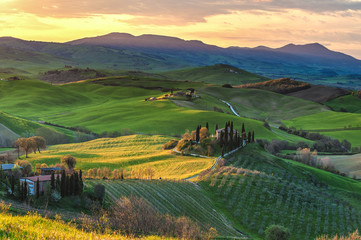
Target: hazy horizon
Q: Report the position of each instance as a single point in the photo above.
(249, 23)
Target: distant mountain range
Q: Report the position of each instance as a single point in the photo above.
(311, 62)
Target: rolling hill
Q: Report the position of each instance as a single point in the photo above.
(129, 153)
(112, 108)
(152, 53)
(216, 74)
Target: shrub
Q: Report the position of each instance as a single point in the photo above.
(351, 236)
(277, 232)
(227, 85)
(170, 145)
(99, 192)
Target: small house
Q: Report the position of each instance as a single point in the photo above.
(50, 170)
(31, 183)
(222, 130)
(7, 168)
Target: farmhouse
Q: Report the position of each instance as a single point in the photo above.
(49, 171)
(31, 183)
(7, 168)
(222, 130)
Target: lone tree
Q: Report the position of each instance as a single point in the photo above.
(99, 192)
(40, 143)
(277, 232)
(69, 161)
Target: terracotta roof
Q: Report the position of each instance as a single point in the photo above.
(42, 178)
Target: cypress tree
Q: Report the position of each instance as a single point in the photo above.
(81, 181)
(58, 183)
(226, 136)
(222, 151)
(25, 191)
(52, 181)
(216, 129)
(249, 136)
(12, 184)
(72, 185)
(37, 188)
(252, 136)
(220, 139)
(62, 184)
(197, 134)
(207, 126)
(19, 190)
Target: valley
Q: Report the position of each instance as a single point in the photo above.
(129, 121)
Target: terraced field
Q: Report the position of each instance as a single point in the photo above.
(128, 152)
(256, 192)
(178, 198)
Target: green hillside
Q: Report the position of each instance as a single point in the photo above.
(178, 198)
(110, 108)
(12, 127)
(348, 103)
(334, 124)
(216, 74)
(265, 105)
(258, 189)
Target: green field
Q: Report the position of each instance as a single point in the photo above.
(110, 108)
(349, 103)
(129, 153)
(258, 189)
(334, 124)
(216, 74)
(178, 198)
(349, 164)
(265, 105)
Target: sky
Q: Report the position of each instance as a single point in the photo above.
(244, 23)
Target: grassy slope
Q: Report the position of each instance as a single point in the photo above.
(108, 108)
(217, 74)
(349, 103)
(23, 128)
(331, 124)
(128, 152)
(350, 164)
(176, 198)
(261, 104)
(286, 193)
(35, 227)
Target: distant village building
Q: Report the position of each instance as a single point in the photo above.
(7, 168)
(31, 183)
(49, 171)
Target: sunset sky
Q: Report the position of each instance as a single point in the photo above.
(246, 23)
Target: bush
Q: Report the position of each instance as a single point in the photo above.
(183, 144)
(227, 85)
(99, 192)
(170, 145)
(277, 232)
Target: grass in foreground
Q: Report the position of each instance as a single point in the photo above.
(33, 227)
(128, 152)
